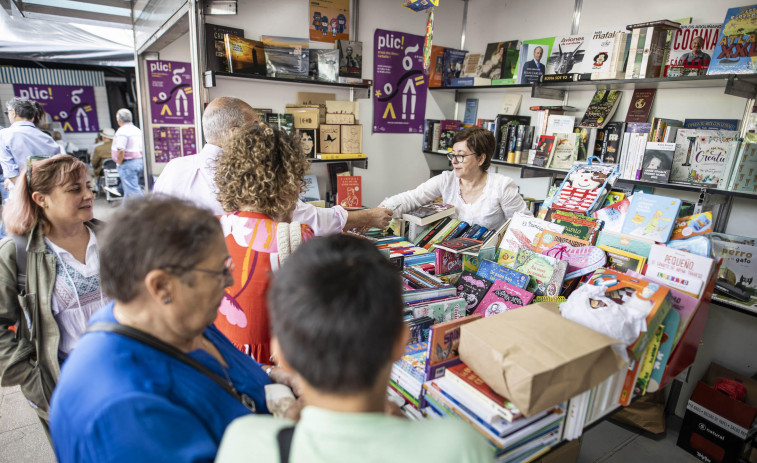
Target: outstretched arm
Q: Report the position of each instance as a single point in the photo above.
(378, 217)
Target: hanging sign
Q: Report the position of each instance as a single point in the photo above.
(73, 106)
(399, 92)
(170, 86)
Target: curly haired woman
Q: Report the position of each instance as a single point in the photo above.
(260, 175)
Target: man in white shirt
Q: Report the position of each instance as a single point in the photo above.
(127, 152)
(191, 177)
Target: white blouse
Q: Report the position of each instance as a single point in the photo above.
(497, 203)
(76, 294)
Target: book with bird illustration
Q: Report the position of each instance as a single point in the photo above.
(651, 216)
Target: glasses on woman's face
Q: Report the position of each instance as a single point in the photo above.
(458, 156)
(226, 272)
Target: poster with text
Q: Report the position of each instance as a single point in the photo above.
(73, 106)
(166, 143)
(170, 85)
(399, 90)
(329, 20)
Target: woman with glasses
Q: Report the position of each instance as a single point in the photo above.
(480, 197)
(49, 274)
(152, 379)
(260, 175)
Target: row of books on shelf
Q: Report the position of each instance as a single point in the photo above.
(707, 152)
(636, 268)
(227, 50)
(647, 50)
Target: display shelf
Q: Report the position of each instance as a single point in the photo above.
(338, 160)
(739, 85)
(716, 299)
(211, 76)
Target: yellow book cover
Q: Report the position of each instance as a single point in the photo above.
(244, 56)
(622, 261)
(647, 362)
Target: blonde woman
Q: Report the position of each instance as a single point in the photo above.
(259, 175)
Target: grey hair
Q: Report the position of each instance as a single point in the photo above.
(23, 107)
(222, 115)
(124, 115)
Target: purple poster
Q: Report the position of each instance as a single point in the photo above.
(72, 106)
(170, 84)
(399, 92)
(166, 143)
(188, 141)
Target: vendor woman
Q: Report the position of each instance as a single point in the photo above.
(480, 197)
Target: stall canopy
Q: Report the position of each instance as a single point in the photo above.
(42, 40)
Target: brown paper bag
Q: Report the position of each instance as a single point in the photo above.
(535, 357)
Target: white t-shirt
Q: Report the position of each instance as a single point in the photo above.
(497, 203)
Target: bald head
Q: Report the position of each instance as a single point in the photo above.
(223, 115)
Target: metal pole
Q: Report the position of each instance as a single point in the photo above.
(576, 17)
(465, 24)
(197, 59)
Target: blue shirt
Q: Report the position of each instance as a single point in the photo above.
(21, 140)
(120, 400)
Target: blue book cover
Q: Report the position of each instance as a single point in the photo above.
(471, 109)
(651, 216)
(711, 124)
(734, 51)
(453, 65)
(462, 82)
(492, 272)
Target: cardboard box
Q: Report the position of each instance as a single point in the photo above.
(352, 138)
(535, 357)
(340, 118)
(329, 139)
(343, 107)
(717, 428)
(304, 118)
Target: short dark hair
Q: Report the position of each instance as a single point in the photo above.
(480, 141)
(336, 310)
(23, 107)
(153, 232)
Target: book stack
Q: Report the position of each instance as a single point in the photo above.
(648, 47)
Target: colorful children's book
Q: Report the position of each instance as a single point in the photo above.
(479, 389)
(648, 361)
(446, 262)
(667, 342)
(547, 273)
(565, 151)
(493, 272)
(651, 217)
(614, 215)
(459, 244)
(700, 155)
(577, 225)
(584, 188)
(684, 306)
(736, 276)
(581, 260)
(444, 338)
(521, 233)
(472, 288)
(679, 269)
(548, 239)
(692, 225)
(442, 311)
(613, 197)
(502, 297)
(623, 261)
(732, 53)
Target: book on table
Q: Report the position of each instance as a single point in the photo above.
(429, 213)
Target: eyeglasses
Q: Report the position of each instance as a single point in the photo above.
(456, 157)
(228, 267)
(29, 161)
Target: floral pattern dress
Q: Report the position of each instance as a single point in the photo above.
(243, 313)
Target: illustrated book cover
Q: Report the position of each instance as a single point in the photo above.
(547, 273)
(691, 49)
(700, 155)
(522, 233)
(641, 105)
(567, 55)
(734, 49)
(444, 338)
(244, 56)
(493, 272)
(679, 269)
(472, 288)
(215, 47)
(601, 108)
(651, 216)
(349, 191)
(658, 162)
(501, 297)
(286, 56)
(350, 58)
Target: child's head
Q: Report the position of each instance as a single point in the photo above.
(336, 314)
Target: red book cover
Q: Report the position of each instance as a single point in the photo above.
(349, 191)
(641, 105)
(466, 374)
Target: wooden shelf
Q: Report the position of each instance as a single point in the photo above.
(210, 80)
(338, 160)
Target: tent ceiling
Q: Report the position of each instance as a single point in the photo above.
(113, 13)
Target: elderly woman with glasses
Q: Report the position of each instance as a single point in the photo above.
(49, 274)
(153, 379)
(480, 197)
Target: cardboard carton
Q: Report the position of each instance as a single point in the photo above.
(329, 139)
(352, 138)
(304, 118)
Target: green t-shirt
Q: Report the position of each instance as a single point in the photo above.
(333, 437)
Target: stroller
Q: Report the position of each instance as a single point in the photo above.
(111, 182)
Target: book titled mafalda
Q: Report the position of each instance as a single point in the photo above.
(691, 49)
(244, 56)
(350, 58)
(286, 56)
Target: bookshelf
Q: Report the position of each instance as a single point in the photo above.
(210, 77)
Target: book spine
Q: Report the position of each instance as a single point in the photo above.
(725, 176)
(424, 241)
(631, 59)
(436, 135)
(478, 395)
(647, 363)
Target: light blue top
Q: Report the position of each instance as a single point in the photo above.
(118, 400)
(21, 140)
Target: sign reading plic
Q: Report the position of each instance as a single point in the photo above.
(170, 84)
(72, 106)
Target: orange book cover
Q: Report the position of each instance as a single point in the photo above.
(349, 192)
(436, 67)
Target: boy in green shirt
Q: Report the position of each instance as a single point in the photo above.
(336, 314)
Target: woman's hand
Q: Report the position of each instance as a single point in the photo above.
(279, 375)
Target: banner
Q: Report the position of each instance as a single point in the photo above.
(170, 86)
(400, 86)
(72, 106)
(329, 20)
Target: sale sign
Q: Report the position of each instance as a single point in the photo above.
(399, 91)
(73, 106)
(170, 86)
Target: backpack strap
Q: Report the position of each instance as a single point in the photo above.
(21, 257)
(284, 437)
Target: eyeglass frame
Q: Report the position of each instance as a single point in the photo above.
(456, 157)
(227, 272)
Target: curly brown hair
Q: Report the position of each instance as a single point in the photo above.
(262, 168)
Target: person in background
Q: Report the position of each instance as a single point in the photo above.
(65, 147)
(191, 177)
(102, 152)
(336, 313)
(169, 393)
(127, 152)
(22, 139)
(260, 175)
(480, 197)
(51, 214)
